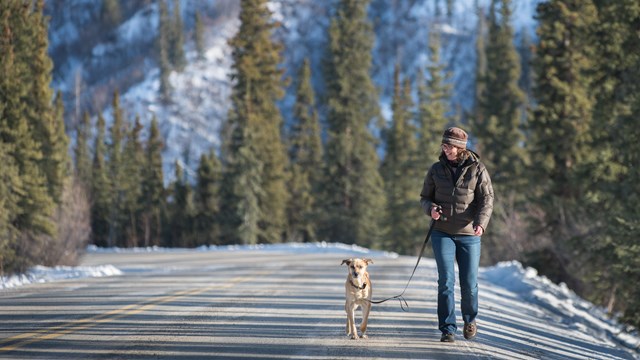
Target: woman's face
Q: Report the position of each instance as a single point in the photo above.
(450, 151)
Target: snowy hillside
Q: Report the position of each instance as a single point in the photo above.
(91, 63)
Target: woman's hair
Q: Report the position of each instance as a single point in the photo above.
(463, 154)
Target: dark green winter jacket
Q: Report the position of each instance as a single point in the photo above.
(466, 202)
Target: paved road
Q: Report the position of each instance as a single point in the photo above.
(252, 305)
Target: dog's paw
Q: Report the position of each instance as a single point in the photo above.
(354, 337)
(364, 336)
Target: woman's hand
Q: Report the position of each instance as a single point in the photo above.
(478, 230)
(435, 214)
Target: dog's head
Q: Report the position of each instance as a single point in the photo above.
(357, 267)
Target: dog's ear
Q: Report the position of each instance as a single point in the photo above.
(368, 261)
(346, 261)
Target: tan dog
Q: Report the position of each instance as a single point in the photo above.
(358, 293)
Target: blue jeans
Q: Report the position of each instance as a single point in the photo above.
(465, 250)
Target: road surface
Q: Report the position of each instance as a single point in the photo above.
(249, 304)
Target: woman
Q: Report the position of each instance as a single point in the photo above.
(457, 192)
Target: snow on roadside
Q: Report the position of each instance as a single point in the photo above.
(43, 274)
(559, 299)
(316, 247)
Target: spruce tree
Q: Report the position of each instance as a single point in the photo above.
(480, 76)
(164, 65)
(101, 193)
(111, 14)
(82, 151)
(10, 186)
(502, 104)
(117, 175)
(561, 128)
(433, 104)
(305, 159)
(46, 121)
(182, 211)
(199, 36)
(499, 127)
(207, 199)
(404, 218)
(353, 188)
(20, 41)
(255, 195)
(58, 163)
(131, 184)
(176, 39)
(561, 122)
(612, 253)
(153, 192)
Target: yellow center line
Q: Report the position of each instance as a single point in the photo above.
(132, 309)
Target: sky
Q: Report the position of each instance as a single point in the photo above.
(510, 277)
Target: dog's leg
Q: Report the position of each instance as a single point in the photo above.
(351, 321)
(366, 308)
(346, 310)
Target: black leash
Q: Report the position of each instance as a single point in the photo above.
(400, 296)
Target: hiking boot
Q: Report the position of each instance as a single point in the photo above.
(447, 337)
(470, 330)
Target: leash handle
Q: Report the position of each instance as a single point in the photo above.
(400, 296)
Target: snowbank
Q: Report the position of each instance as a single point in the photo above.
(559, 299)
(43, 274)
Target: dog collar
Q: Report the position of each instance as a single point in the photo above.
(358, 287)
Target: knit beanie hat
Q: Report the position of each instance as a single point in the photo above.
(456, 137)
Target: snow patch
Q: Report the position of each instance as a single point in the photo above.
(43, 274)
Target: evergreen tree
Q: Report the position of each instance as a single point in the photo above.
(10, 186)
(101, 195)
(480, 74)
(501, 104)
(353, 188)
(117, 174)
(20, 41)
(561, 129)
(58, 163)
(207, 199)
(46, 121)
(305, 159)
(526, 76)
(131, 185)
(83, 152)
(182, 211)
(164, 34)
(176, 39)
(255, 195)
(433, 97)
(499, 126)
(111, 14)
(153, 192)
(612, 253)
(561, 121)
(401, 176)
(199, 36)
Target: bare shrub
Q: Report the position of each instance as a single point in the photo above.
(74, 227)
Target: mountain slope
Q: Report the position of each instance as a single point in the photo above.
(93, 59)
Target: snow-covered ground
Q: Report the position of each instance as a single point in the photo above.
(521, 283)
